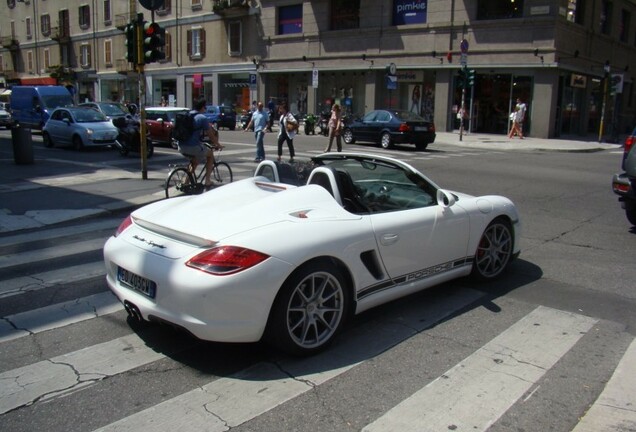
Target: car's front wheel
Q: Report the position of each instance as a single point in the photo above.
(347, 136)
(494, 250)
(48, 142)
(385, 140)
(309, 310)
(77, 143)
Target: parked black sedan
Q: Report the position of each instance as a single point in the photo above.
(389, 127)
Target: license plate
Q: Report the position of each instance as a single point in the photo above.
(136, 282)
(421, 129)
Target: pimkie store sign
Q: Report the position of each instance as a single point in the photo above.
(409, 12)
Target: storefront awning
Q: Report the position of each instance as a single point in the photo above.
(38, 81)
(236, 85)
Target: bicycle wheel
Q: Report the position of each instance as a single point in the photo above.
(178, 182)
(222, 173)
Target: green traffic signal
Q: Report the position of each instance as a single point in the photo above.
(470, 77)
(462, 78)
(131, 43)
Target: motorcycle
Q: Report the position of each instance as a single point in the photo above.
(244, 119)
(323, 124)
(129, 138)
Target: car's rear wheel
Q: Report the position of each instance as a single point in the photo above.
(421, 146)
(494, 250)
(630, 211)
(385, 141)
(48, 142)
(347, 135)
(309, 310)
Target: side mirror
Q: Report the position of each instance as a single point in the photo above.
(67, 121)
(445, 198)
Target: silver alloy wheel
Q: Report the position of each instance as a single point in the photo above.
(494, 250)
(315, 310)
(386, 140)
(348, 136)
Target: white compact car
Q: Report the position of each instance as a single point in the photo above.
(289, 254)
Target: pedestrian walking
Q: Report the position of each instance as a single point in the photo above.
(260, 120)
(335, 127)
(517, 117)
(271, 106)
(288, 128)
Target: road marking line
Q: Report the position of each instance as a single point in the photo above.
(615, 408)
(228, 402)
(69, 372)
(479, 390)
(11, 260)
(53, 233)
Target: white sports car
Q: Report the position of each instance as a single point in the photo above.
(275, 257)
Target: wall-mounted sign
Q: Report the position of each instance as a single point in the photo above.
(578, 81)
(409, 11)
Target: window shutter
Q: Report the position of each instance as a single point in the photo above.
(168, 47)
(202, 42)
(189, 44)
(88, 56)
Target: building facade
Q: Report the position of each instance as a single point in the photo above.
(571, 61)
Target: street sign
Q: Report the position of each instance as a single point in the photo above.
(463, 46)
(252, 81)
(391, 82)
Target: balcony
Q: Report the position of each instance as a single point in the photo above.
(122, 20)
(61, 34)
(10, 43)
(231, 8)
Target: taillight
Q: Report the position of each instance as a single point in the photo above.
(225, 260)
(432, 128)
(629, 142)
(620, 188)
(123, 225)
(404, 128)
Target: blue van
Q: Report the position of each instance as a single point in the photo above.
(31, 106)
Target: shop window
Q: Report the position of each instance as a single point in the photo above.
(107, 13)
(108, 52)
(606, 17)
(575, 11)
(84, 17)
(345, 14)
(45, 24)
(234, 38)
(290, 19)
(624, 27)
(499, 9)
(196, 43)
(85, 56)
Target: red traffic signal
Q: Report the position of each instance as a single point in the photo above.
(153, 43)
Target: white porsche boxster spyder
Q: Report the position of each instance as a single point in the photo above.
(288, 255)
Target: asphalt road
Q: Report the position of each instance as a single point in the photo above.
(576, 263)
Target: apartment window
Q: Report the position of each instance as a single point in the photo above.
(30, 61)
(84, 17)
(108, 52)
(290, 19)
(45, 24)
(12, 29)
(196, 43)
(165, 9)
(624, 27)
(575, 11)
(85, 55)
(29, 34)
(234, 38)
(606, 17)
(11, 4)
(499, 9)
(196, 4)
(345, 14)
(107, 13)
(47, 59)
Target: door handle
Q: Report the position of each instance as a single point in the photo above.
(389, 239)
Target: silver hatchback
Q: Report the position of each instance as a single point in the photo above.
(79, 127)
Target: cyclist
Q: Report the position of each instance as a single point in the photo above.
(194, 149)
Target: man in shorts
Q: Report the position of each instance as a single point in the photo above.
(194, 149)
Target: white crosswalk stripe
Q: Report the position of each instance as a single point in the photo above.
(475, 391)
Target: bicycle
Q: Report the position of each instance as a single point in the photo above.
(181, 181)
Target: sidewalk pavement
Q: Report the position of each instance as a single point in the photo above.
(52, 191)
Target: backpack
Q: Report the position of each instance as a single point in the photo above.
(183, 126)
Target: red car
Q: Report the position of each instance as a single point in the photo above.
(160, 122)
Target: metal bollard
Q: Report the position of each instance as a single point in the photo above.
(22, 146)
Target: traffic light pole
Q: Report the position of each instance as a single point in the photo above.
(141, 85)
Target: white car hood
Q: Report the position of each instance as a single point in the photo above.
(249, 204)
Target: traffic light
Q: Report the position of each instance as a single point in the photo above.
(470, 77)
(131, 42)
(154, 41)
(461, 82)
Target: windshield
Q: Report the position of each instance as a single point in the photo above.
(56, 101)
(113, 110)
(88, 116)
(407, 116)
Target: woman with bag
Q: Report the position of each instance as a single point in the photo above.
(335, 127)
(287, 132)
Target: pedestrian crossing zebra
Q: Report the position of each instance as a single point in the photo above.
(480, 384)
